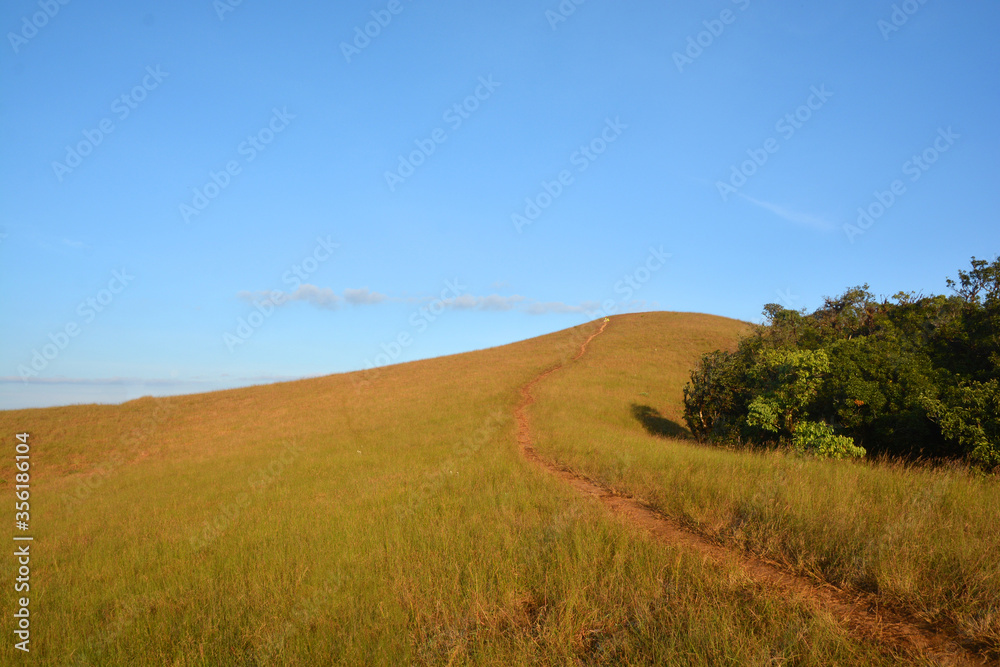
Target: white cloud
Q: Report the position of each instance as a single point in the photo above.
(491, 302)
(363, 296)
(544, 308)
(10, 379)
(321, 297)
(497, 302)
(790, 215)
(324, 297)
(148, 382)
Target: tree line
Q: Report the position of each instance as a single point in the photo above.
(911, 376)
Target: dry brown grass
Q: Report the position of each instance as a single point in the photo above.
(923, 540)
(391, 521)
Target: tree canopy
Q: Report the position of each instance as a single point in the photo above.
(910, 375)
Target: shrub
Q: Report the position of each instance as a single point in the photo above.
(818, 438)
(911, 376)
(970, 416)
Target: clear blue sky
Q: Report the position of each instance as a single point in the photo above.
(204, 151)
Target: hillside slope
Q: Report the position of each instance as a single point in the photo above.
(370, 520)
(920, 541)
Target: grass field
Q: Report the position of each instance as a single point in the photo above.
(921, 539)
(392, 520)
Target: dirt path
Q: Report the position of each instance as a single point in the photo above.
(861, 614)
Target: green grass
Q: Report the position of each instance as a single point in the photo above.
(921, 539)
(327, 521)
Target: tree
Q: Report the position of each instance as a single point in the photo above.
(912, 376)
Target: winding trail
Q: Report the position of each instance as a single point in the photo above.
(862, 614)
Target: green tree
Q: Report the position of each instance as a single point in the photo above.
(912, 376)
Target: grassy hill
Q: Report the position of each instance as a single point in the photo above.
(921, 540)
(389, 518)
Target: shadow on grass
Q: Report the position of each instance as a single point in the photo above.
(656, 424)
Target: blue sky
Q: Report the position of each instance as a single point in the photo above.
(464, 175)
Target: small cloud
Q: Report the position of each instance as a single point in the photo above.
(321, 297)
(790, 215)
(491, 302)
(173, 380)
(547, 307)
(59, 380)
(464, 302)
(497, 302)
(363, 296)
(324, 297)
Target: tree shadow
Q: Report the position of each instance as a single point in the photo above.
(657, 424)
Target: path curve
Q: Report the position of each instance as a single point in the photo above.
(861, 614)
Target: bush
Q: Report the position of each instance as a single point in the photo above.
(818, 438)
(911, 376)
(970, 416)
